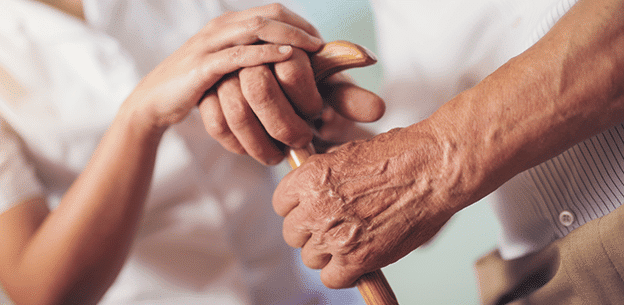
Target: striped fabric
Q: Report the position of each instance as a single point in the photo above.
(587, 180)
(550, 200)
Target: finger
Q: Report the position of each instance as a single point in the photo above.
(272, 108)
(237, 57)
(296, 78)
(312, 257)
(220, 63)
(216, 125)
(244, 125)
(285, 196)
(352, 102)
(335, 275)
(293, 230)
(256, 29)
(278, 12)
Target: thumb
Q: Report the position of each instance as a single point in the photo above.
(351, 101)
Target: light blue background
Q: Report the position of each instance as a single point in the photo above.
(442, 272)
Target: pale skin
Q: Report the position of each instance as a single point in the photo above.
(73, 253)
(368, 203)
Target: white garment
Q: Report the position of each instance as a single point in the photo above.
(208, 234)
(433, 50)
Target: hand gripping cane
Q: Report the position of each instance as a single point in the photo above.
(332, 58)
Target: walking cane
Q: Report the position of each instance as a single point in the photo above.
(332, 58)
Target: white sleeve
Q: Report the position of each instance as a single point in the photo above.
(18, 181)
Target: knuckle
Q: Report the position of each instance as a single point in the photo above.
(256, 23)
(292, 74)
(292, 34)
(232, 145)
(296, 71)
(217, 129)
(236, 53)
(239, 117)
(257, 86)
(277, 10)
(286, 135)
(359, 259)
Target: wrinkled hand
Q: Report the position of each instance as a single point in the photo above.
(368, 203)
(258, 110)
(226, 44)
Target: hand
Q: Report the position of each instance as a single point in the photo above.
(369, 203)
(224, 45)
(257, 111)
(345, 104)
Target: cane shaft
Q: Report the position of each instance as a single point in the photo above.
(335, 57)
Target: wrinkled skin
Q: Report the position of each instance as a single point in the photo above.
(258, 110)
(368, 203)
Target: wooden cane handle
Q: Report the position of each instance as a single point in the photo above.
(337, 56)
(332, 58)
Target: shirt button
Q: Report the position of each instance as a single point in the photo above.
(566, 218)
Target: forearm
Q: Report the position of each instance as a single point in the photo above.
(366, 204)
(79, 249)
(567, 87)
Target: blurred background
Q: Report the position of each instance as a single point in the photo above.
(442, 271)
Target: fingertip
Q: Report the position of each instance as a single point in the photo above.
(356, 103)
(303, 140)
(268, 160)
(377, 108)
(275, 160)
(285, 49)
(234, 146)
(334, 276)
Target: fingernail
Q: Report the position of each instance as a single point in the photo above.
(284, 49)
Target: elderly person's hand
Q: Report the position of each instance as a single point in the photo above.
(258, 110)
(368, 203)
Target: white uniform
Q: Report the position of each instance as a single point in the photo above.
(208, 234)
(432, 50)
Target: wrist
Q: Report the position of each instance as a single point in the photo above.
(443, 163)
(488, 129)
(140, 123)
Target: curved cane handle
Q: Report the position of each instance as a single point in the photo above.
(332, 58)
